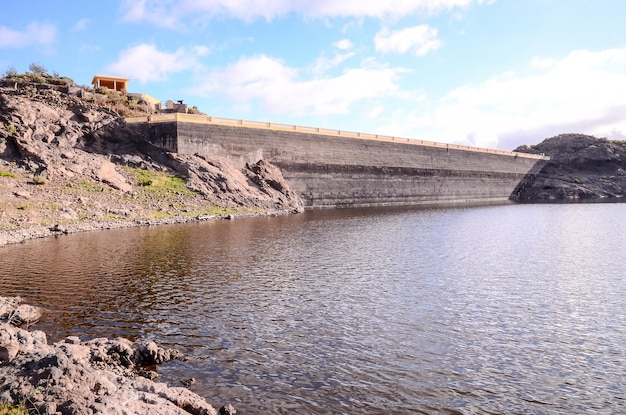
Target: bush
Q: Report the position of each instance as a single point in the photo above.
(12, 409)
(37, 69)
(10, 128)
(40, 180)
(11, 72)
(4, 173)
(63, 81)
(101, 90)
(37, 78)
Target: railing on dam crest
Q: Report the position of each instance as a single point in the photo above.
(210, 120)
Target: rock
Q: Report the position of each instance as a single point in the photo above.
(107, 174)
(23, 195)
(58, 229)
(8, 351)
(227, 410)
(580, 167)
(98, 376)
(188, 382)
(14, 312)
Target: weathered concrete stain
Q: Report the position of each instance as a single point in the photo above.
(333, 171)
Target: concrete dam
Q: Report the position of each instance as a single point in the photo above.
(332, 168)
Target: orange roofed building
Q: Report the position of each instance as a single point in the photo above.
(111, 82)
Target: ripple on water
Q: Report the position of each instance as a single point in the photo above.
(510, 309)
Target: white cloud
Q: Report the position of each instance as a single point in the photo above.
(542, 62)
(80, 25)
(418, 40)
(34, 34)
(171, 14)
(279, 90)
(146, 63)
(343, 44)
(323, 64)
(582, 93)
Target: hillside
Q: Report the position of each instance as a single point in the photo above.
(581, 167)
(69, 162)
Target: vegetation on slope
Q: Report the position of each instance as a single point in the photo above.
(68, 156)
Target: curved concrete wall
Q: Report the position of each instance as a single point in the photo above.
(330, 171)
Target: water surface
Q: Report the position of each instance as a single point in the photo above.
(515, 309)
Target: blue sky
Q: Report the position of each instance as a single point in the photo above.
(487, 73)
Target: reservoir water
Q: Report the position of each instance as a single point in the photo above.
(516, 309)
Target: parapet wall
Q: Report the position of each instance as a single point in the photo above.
(330, 170)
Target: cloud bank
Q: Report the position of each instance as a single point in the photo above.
(172, 14)
(34, 34)
(581, 92)
(145, 63)
(280, 89)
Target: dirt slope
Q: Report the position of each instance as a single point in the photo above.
(68, 163)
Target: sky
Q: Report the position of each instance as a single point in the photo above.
(485, 73)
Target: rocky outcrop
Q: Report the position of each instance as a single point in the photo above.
(66, 160)
(580, 167)
(100, 376)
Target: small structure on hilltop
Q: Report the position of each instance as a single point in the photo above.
(111, 82)
(171, 106)
(152, 105)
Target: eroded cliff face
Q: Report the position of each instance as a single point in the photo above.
(580, 167)
(64, 159)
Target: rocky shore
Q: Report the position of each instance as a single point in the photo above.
(19, 235)
(100, 376)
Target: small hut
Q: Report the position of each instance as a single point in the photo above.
(111, 82)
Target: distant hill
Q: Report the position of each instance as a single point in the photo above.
(580, 167)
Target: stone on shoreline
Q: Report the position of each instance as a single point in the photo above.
(14, 312)
(100, 376)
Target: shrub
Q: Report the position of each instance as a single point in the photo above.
(40, 180)
(63, 81)
(37, 78)
(10, 128)
(101, 90)
(13, 409)
(4, 173)
(37, 69)
(144, 182)
(11, 72)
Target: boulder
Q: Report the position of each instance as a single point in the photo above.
(14, 312)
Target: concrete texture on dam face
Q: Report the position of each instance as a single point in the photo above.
(332, 171)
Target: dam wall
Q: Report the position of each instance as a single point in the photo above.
(330, 168)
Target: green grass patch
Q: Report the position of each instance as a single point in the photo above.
(13, 409)
(4, 173)
(160, 182)
(91, 187)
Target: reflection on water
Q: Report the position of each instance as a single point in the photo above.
(510, 309)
